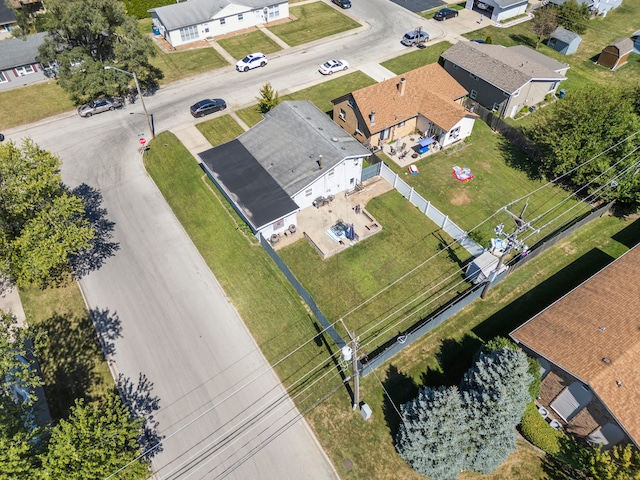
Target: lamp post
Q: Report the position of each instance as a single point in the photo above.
(135, 79)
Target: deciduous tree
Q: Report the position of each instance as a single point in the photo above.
(86, 35)
(619, 463)
(573, 16)
(41, 223)
(95, 441)
(544, 23)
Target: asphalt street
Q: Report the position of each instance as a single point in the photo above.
(177, 342)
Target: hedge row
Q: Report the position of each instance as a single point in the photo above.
(536, 429)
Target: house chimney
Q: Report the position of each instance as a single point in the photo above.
(402, 86)
(320, 162)
(372, 117)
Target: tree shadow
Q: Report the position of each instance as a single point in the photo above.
(68, 359)
(454, 357)
(137, 397)
(401, 389)
(517, 158)
(444, 245)
(102, 247)
(523, 40)
(108, 328)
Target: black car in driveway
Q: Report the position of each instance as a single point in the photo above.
(445, 14)
(205, 107)
(342, 3)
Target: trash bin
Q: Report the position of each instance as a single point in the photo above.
(155, 30)
(561, 93)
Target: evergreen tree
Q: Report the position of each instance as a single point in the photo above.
(268, 99)
(433, 433)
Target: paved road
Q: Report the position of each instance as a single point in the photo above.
(221, 411)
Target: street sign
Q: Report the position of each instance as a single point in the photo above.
(142, 140)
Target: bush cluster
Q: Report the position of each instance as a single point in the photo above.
(535, 429)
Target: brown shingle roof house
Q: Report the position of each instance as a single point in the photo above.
(589, 346)
(426, 99)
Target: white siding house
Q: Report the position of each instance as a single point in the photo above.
(195, 20)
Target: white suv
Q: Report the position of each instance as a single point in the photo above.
(253, 60)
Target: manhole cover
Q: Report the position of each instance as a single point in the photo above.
(348, 464)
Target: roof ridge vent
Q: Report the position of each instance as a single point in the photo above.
(602, 329)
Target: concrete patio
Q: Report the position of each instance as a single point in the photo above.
(313, 222)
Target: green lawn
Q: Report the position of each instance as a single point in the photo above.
(619, 23)
(416, 58)
(313, 21)
(220, 130)
(49, 97)
(320, 95)
(72, 360)
(240, 45)
(185, 63)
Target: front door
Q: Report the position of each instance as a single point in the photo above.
(384, 134)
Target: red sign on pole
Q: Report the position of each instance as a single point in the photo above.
(142, 140)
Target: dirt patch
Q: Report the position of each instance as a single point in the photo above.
(459, 198)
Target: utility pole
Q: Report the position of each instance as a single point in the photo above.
(354, 365)
(512, 243)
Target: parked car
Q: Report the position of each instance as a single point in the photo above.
(205, 107)
(253, 60)
(327, 68)
(99, 105)
(445, 14)
(414, 37)
(342, 3)
(482, 6)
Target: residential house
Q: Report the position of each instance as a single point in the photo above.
(615, 55)
(498, 10)
(427, 100)
(281, 165)
(194, 20)
(7, 19)
(588, 343)
(503, 79)
(19, 63)
(564, 41)
(636, 42)
(596, 7)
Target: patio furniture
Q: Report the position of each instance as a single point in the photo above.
(423, 145)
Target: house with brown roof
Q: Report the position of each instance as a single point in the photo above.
(503, 79)
(427, 100)
(588, 344)
(615, 55)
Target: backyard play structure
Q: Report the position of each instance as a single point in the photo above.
(462, 174)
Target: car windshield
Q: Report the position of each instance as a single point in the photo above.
(246, 59)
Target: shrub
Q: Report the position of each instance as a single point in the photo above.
(535, 429)
(525, 109)
(488, 40)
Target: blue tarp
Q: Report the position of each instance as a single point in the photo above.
(426, 141)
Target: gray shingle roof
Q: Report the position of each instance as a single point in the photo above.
(288, 142)
(506, 68)
(624, 45)
(509, 3)
(194, 12)
(564, 35)
(16, 51)
(7, 16)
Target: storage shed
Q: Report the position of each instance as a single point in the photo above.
(615, 55)
(636, 42)
(564, 41)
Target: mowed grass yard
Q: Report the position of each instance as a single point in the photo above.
(312, 21)
(619, 23)
(240, 45)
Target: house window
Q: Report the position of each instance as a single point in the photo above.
(473, 94)
(342, 115)
(401, 124)
(240, 17)
(24, 70)
(189, 33)
(495, 107)
(553, 86)
(455, 133)
(308, 192)
(475, 77)
(274, 11)
(3, 78)
(223, 21)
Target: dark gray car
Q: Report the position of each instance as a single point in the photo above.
(99, 105)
